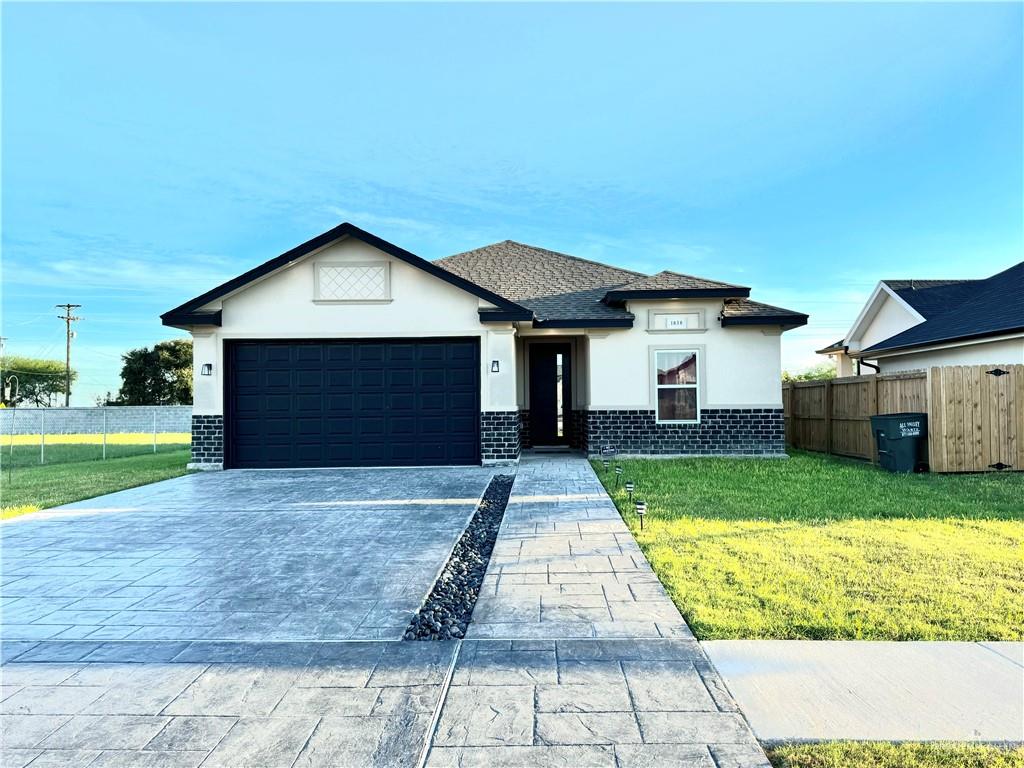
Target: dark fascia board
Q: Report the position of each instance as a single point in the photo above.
(179, 319)
(620, 297)
(342, 230)
(933, 342)
(606, 322)
(504, 315)
(792, 320)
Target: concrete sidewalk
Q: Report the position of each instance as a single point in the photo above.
(898, 691)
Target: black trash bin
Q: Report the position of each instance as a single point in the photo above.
(902, 440)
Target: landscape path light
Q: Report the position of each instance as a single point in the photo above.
(618, 474)
(641, 510)
(630, 485)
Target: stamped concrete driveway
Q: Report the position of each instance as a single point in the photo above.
(238, 555)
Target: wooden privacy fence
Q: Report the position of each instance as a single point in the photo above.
(975, 414)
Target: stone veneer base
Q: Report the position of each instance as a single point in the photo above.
(720, 432)
(207, 442)
(499, 437)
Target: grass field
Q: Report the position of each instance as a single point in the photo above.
(821, 548)
(40, 487)
(24, 450)
(885, 755)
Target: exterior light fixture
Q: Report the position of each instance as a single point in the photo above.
(618, 475)
(630, 486)
(206, 370)
(495, 366)
(641, 510)
(604, 463)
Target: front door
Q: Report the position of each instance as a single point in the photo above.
(550, 388)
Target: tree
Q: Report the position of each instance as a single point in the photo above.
(819, 372)
(158, 376)
(39, 381)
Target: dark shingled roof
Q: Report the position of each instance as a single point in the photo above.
(554, 285)
(747, 311)
(978, 308)
(669, 281)
(932, 297)
(561, 289)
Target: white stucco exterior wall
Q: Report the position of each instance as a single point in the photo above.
(994, 352)
(739, 366)
(891, 318)
(282, 306)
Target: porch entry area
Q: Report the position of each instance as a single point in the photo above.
(552, 391)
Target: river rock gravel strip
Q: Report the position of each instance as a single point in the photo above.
(447, 610)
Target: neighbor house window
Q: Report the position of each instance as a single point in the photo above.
(676, 385)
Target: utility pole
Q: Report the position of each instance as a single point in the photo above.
(68, 319)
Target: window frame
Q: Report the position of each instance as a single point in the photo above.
(698, 386)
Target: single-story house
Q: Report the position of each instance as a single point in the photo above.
(909, 325)
(348, 350)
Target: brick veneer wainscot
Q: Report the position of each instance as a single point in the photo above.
(207, 439)
(499, 436)
(721, 431)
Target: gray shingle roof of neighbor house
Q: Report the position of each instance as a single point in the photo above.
(932, 297)
(986, 307)
(565, 290)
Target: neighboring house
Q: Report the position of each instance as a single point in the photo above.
(348, 350)
(908, 325)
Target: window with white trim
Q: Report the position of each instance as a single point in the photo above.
(676, 386)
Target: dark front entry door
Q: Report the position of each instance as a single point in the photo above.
(550, 402)
(353, 403)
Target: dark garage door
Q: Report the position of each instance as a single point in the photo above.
(353, 403)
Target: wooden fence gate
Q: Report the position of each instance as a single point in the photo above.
(975, 414)
(976, 418)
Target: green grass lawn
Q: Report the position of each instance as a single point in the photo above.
(30, 488)
(64, 453)
(815, 547)
(847, 754)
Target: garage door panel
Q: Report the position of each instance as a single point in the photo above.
(369, 377)
(460, 401)
(340, 425)
(343, 403)
(281, 378)
(277, 404)
(432, 377)
(311, 379)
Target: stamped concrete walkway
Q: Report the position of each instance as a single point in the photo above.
(576, 656)
(566, 566)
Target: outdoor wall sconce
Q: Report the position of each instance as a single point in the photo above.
(206, 370)
(494, 366)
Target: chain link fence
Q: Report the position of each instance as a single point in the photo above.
(41, 436)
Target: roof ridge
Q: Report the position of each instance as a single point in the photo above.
(545, 250)
(578, 258)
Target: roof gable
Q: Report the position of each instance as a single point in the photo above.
(993, 306)
(882, 294)
(190, 312)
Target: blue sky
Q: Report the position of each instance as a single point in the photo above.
(152, 151)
